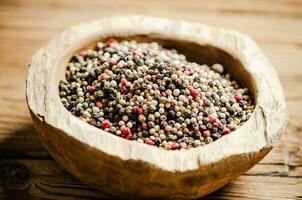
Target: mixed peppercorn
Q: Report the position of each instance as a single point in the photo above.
(149, 94)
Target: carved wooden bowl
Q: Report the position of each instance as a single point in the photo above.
(125, 168)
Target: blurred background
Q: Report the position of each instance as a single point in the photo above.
(28, 171)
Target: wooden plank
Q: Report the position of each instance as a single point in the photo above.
(260, 187)
(281, 170)
(284, 57)
(275, 8)
(289, 149)
(26, 179)
(46, 179)
(255, 26)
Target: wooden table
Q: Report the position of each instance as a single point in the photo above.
(28, 171)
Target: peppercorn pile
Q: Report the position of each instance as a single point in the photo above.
(149, 94)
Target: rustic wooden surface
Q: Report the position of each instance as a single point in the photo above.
(26, 169)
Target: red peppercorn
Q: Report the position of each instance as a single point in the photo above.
(112, 62)
(140, 111)
(144, 126)
(137, 53)
(83, 53)
(92, 88)
(197, 99)
(225, 131)
(238, 97)
(196, 129)
(106, 124)
(206, 134)
(187, 72)
(102, 76)
(129, 136)
(124, 90)
(212, 119)
(150, 142)
(111, 41)
(194, 93)
(106, 71)
(174, 145)
(126, 131)
(99, 104)
(135, 108)
(123, 81)
(168, 128)
(217, 124)
(154, 77)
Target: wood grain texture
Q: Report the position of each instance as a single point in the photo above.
(27, 25)
(45, 178)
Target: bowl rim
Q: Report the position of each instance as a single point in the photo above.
(261, 131)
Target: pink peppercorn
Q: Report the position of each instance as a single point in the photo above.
(123, 81)
(135, 108)
(197, 99)
(218, 68)
(168, 128)
(137, 53)
(126, 131)
(194, 93)
(154, 77)
(124, 90)
(150, 142)
(106, 71)
(225, 131)
(92, 88)
(111, 41)
(83, 53)
(206, 134)
(140, 111)
(102, 76)
(105, 124)
(174, 146)
(217, 124)
(144, 126)
(238, 97)
(212, 119)
(196, 129)
(112, 62)
(187, 72)
(128, 137)
(99, 104)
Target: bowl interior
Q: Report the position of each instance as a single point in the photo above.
(201, 54)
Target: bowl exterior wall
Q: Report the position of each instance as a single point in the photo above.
(136, 179)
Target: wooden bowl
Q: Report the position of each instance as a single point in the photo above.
(125, 168)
